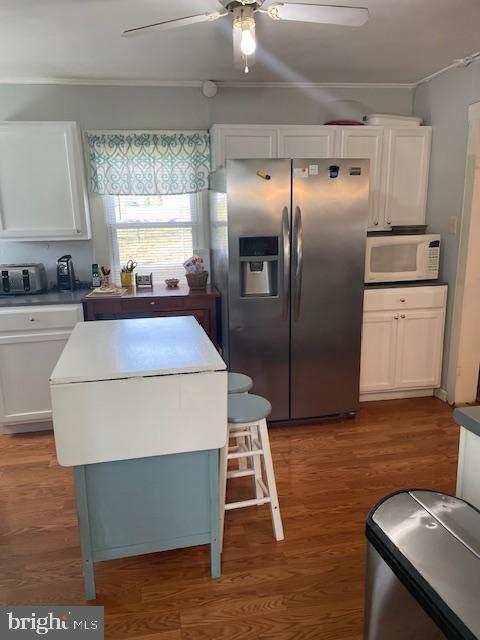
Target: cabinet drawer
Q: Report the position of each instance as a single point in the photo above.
(405, 298)
(41, 317)
(152, 305)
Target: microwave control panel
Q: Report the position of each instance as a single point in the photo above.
(433, 256)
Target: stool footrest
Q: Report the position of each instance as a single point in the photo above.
(245, 454)
(240, 473)
(246, 503)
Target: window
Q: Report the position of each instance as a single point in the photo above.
(158, 232)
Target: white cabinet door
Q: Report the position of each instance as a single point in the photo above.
(26, 363)
(407, 158)
(379, 339)
(367, 142)
(419, 349)
(307, 142)
(240, 142)
(42, 182)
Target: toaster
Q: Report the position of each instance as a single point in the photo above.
(22, 278)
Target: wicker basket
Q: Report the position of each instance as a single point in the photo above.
(197, 280)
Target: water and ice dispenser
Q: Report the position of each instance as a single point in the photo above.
(259, 266)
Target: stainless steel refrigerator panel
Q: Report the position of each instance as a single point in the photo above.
(329, 209)
(258, 201)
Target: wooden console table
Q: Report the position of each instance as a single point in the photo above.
(158, 302)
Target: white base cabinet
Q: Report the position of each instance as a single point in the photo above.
(31, 341)
(402, 340)
(399, 159)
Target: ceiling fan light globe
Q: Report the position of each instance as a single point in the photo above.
(247, 43)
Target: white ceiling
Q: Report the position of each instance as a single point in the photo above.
(403, 41)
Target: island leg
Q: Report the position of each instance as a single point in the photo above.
(214, 514)
(85, 539)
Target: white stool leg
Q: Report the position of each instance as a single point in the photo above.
(257, 463)
(272, 487)
(222, 489)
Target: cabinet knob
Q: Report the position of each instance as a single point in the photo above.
(403, 316)
(78, 230)
(152, 302)
(376, 223)
(395, 317)
(402, 300)
(389, 222)
(32, 319)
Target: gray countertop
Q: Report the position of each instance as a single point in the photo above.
(469, 418)
(398, 285)
(50, 297)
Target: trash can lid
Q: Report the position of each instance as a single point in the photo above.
(431, 541)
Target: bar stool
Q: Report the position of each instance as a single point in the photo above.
(246, 419)
(239, 383)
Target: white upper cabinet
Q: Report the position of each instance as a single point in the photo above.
(307, 142)
(235, 142)
(42, 182)
(407, 159)
(367, 142)
(399, 159)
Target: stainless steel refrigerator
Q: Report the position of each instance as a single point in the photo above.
(288, 252)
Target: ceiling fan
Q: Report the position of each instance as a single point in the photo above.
(243, 12)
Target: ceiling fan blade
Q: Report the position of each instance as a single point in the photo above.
(178, 22)
(319, 13)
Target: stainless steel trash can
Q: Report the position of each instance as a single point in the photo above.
(423, 568)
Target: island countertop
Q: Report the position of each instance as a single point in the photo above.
(118, 349)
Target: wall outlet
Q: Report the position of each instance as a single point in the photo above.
(452, 225)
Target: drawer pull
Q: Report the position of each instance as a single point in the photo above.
(395, 317)
(403, 316)
(31, 319)
(402, 300)
(152, 303)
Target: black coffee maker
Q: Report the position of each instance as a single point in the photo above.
(65, 273)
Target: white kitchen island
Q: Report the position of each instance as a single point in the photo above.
(140, 413)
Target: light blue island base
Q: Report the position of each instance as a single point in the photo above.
(132, 507)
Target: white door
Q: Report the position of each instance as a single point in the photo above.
(307, 142)
(367, 142)
(238, 143)
(26, 363)
(42, 182)
(406, 180)
(419, 349)
(379, 339)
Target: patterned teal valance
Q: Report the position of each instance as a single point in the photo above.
(148, 162)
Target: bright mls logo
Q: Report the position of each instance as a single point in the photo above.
(26, 622)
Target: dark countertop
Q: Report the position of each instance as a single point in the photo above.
(469, 418)
(50, 297)
(401, 285)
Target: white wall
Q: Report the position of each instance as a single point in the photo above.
(443, 103)
(99, 107)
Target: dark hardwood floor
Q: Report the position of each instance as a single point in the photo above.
(309, 586)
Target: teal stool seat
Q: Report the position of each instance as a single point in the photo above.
(246, 407)
(239, 383)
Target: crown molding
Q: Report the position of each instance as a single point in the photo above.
(114, 82)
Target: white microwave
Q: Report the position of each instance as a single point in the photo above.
(391, 258)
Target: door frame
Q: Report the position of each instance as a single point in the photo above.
(464, 360)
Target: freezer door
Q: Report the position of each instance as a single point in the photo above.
(258, 201)
(329, 211)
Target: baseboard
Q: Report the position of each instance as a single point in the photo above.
(27, 427)
(396, 395)
(441, 394)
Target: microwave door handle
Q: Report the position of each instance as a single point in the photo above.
(298, 243)
(286, 261)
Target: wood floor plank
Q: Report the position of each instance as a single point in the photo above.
(308, 587)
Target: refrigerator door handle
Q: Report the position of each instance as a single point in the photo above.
(286, 261)
(298, 235)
